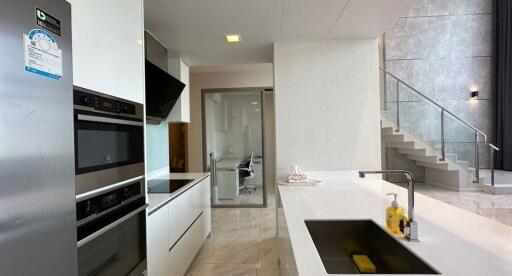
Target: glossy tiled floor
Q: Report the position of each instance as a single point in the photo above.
(245, 197)
(496, 207)
(242, 243)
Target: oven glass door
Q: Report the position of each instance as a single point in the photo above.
(106, 142)
(118, 251)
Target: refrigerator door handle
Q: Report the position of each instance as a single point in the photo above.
(100, 232)
(90, 118)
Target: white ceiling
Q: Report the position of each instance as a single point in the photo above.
(195, 29)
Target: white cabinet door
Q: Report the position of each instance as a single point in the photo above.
(205, 193)
(108, 53)
(183, 253)
(182, 213)
(181, 110)
(204, 199)
(157, 249)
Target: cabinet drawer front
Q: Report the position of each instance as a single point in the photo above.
(183, 210)
(183, 252)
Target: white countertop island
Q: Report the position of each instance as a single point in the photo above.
(453, 241)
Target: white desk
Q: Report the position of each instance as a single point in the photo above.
(227, 178)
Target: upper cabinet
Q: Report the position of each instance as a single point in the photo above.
(181, 110)
(108, 52)
(156, 53)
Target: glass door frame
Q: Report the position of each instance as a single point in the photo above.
(204, 93)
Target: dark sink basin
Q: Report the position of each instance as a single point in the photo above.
(338, 240)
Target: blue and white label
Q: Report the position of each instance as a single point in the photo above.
(42, 54)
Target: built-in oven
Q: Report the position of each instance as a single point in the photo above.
(109, 140)
(111, 231)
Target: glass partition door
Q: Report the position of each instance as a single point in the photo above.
(233, 146)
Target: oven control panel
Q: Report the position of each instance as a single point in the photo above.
(97, 102)
(109, 201)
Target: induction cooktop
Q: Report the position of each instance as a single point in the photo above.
(166, 186)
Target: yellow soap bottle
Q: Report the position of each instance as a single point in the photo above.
(395, 214)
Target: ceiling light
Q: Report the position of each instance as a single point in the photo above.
(255, 103)
(233, 38)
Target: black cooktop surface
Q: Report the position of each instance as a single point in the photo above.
(166, 186)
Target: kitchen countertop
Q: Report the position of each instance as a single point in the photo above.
(155, 201)
(453, 241)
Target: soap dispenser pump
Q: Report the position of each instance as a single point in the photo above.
(394, 215)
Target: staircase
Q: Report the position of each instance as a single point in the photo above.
(453, 174)
(434, 138)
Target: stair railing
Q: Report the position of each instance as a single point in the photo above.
(477, 133)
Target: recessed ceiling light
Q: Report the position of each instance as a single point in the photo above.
(233, 38)
(254, 103)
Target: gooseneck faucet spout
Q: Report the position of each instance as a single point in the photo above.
(411, 229)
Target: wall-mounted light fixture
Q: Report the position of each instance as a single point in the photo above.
(474, 94)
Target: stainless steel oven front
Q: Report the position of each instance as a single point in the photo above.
(111, 231)
(109, 140)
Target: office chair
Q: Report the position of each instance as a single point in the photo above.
(248, 171)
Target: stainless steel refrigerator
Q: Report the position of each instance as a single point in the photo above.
(37, 191)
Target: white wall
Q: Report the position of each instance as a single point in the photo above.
(327, 105)
(108, 55)
(209, 80)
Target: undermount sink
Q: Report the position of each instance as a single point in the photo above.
(338, 240)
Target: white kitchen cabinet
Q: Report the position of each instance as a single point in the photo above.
(183, 253)
(182, 213)
(108, 52)
(177, 231)
(181, 110)
(157, 249)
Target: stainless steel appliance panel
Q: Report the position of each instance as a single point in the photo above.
(109, 140)
(112, 232)
(37, 191)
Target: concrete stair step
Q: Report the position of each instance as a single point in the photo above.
(387, 131)
(401, 145)
(440, 165)
(393, 138)
(422, 152)
(429, 159)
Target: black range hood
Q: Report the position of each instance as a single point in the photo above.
(162, 92)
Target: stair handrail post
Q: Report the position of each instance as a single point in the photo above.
(443, 146)
(477, 160)
(492, 166)
(397, 105)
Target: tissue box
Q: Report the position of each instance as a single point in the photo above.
(297, 178)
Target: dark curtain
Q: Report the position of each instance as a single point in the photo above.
(502, 131)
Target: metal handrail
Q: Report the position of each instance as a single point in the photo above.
(492, 147)
(442, 108)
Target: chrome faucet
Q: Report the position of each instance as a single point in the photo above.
(411, 227)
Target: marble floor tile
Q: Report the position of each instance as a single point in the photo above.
(227, 270)
(243, 243)
(269, 270)
(267, 237)
(198, 261)
(268, 218)
(233, 251)
(496, 207)
(267, 256)
(239, 230)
